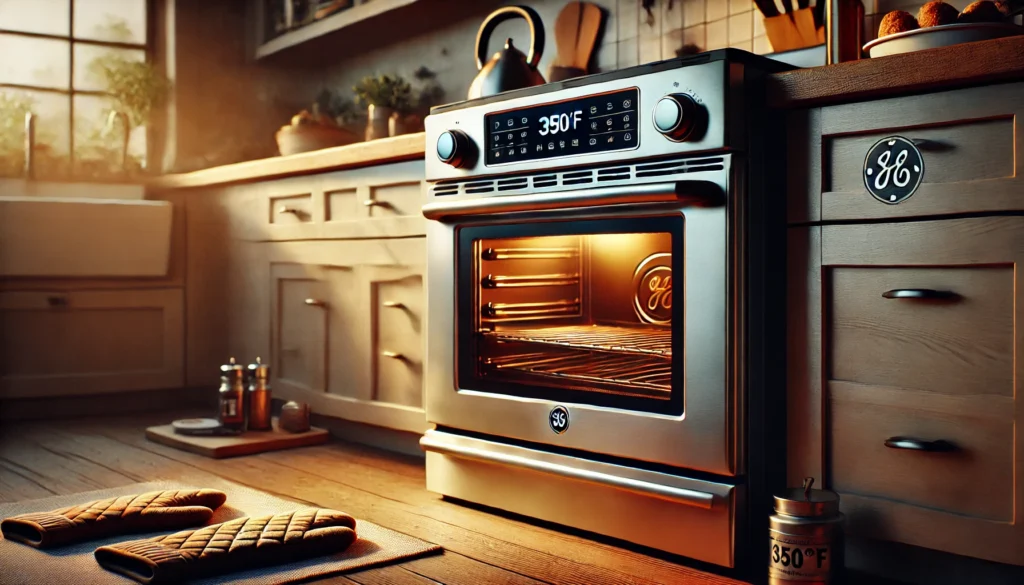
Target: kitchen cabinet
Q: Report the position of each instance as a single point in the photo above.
(905, 328)
(322, 275)
(81, 342)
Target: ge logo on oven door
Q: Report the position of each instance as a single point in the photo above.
(558, 419)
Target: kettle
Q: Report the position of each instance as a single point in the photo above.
(508, 69)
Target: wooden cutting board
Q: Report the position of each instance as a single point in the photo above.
(247, 443)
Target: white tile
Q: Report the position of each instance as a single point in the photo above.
(716, 10)
(738, 6)
(758, 23)
(742, 45)
(610, 25)
(696, 35)
(741, 27)
(671, 42)
(693, 12)
(628, 19)
(717, 35)
(671, 15)
(761, 46)
(627, 53)
(650, 50)
(607, 57)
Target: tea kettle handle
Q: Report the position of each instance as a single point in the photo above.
(507, 13)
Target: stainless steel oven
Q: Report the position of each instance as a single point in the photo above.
(591, 252)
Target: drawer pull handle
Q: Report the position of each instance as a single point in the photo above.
(375, 203)
(393, 355)
(912, 444)
(919, 293)
(292, 210)
(315, 303)
(393, 305)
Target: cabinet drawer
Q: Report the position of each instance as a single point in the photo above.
(90, 342)
(967, 140)
(958, 345)
(975, 479)
(398, 340)
(299, 327)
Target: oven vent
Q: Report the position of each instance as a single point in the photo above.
(513, 184)
(479, 187)
(578, 178)
(542, 181)
(446, 189)
(680, 166)
(615, 174)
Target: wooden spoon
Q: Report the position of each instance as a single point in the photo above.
(590, 26)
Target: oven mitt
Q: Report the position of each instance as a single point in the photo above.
(148, 512)
(240, 544)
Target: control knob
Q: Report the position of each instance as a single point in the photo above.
(678, 116)
(455, 148)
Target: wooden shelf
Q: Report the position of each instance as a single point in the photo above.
(335, 22)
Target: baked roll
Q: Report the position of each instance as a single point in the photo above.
(240, 544)
(151, 511)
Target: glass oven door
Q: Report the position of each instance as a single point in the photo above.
(576, 312)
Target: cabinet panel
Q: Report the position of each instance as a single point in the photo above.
(398, 340)
(86, 342)
(300, 327)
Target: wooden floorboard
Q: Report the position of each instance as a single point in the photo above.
(42, 458)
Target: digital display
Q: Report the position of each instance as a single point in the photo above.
(596, 123)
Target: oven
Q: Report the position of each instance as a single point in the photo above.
(588, 287)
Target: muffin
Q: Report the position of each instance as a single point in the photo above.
(984, 11)
(896, 21)
(936, 14)
(1004, 7)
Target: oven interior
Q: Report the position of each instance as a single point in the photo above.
(585, 317)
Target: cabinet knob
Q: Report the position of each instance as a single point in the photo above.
(393, 305)
(920, 293)
(315, 303)
(912, 444)
(375, 203)
(292, 210)
(393, 355)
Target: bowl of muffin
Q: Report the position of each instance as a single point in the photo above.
(939, 24)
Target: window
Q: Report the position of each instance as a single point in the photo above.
(56, 58)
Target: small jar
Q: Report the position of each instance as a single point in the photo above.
(231, 402)
(259, 397)
(805, 537)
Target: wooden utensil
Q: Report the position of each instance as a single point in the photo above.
(576, 31)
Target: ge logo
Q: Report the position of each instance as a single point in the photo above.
(558, 419)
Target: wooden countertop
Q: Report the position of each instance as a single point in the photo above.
(934, 69)
(360, 154)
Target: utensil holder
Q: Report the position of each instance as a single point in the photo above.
(794, 30)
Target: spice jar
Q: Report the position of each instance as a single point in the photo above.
(806, 537)
(231, 397)
(259, 396)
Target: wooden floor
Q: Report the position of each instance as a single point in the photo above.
(39, 459)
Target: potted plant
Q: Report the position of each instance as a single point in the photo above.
(383, 96)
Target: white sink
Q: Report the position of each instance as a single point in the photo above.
(81, 230)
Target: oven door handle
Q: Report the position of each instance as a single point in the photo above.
(684, 496)
(694, 193)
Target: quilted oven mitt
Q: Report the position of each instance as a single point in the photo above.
(151, 511)
(240, 544)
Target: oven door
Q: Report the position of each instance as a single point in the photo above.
(600, 328)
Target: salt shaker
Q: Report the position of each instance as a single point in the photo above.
(806, 537)
(259, 396)
(231, 397)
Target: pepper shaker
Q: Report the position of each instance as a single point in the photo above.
(259, 397)
(231, 413)
(806, 537)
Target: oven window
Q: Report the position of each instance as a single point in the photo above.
(580, 312)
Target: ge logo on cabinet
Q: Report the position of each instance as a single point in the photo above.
(893, 169)
(558, 419)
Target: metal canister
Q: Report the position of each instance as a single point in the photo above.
(259, 396)
(805, 537)
(231, 403)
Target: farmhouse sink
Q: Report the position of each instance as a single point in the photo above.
(80, 230)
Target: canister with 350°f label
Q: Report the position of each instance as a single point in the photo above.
(805, 537)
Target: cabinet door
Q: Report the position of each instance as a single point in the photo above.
(372, 292)
(904, 394)
(299, 328)
(89, 342)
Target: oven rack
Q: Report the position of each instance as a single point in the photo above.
(652, 341)
(608, 373)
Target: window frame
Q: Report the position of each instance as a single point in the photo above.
(147, 48)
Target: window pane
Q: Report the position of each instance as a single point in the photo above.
(50, 17)
(98, 143)
(28, 61)
(121, 21)
(51, 146)
(90, 60)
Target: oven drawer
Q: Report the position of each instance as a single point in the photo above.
(945, 330)
(967, 140)
(937, 459)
